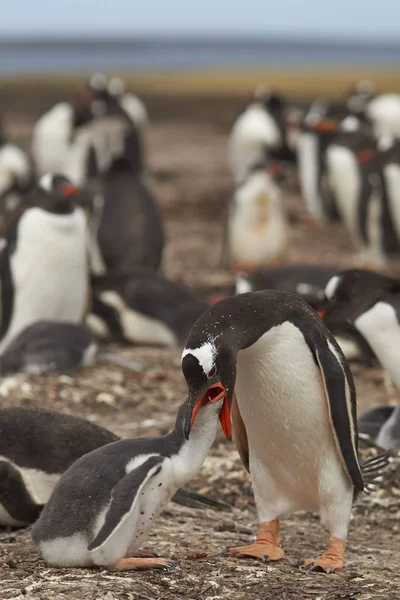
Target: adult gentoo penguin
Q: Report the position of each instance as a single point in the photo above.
(43, 267)
(104, 505)
(37, 447)
(292, 397)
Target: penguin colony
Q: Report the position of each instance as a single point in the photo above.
(82, 261)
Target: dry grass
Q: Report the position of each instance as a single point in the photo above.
(299, 81)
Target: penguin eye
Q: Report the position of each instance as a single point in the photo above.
(212, 372)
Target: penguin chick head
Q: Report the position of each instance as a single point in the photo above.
(56, 194)
(210, 373)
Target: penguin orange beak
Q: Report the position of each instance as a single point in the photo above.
(69, 190)
(321, 313)
(215, 393)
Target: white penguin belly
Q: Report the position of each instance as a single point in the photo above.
(344, 179)
(125, 541)
(49, 270)
(307, 153)
(293, 457)
(392, 177)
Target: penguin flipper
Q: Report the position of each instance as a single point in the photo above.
(124, 497)
(340, 395)
(240, 434)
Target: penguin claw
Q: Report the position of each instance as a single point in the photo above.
(329, 570)
(298, 563)
(264, 558)
(308, 567)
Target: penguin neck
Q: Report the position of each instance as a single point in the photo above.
(192, 452)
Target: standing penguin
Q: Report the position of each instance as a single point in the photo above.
(294, 415)
(258, 131)
(257, 230)
(16, 176)
(104, 505)
(43, 267)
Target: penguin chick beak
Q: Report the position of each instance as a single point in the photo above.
(214, 393)
(68, 190)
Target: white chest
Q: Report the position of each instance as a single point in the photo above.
(49, 270)
(283, 406)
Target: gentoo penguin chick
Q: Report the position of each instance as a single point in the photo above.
(49, 347)
(105, 504)
(257, 230)
(143, 308)
(43, 267)
(37, 447)
(292, 397)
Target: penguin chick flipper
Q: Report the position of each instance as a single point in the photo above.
(114, 538)
(331, 561)
(267, 547)
(341, 401)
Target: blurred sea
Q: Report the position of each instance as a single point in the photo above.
(30, 56)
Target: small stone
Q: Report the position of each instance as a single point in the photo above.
(106, 398)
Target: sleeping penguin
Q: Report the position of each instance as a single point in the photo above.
(105, 504)
(43, 266)
(36, 447)
(292, 400)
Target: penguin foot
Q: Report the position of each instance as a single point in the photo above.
(267, 546)
(331, 561)
(132, 564)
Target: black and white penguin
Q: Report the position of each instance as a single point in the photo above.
(37, 447)
(49, 347)
(292, 398)
(307, 281)
(143, 308)
(257, 228)
(43, 266)
(16, 176)
(382, 425)
(258, 131)
(64, 136)
(105, 504)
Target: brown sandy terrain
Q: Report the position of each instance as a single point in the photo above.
(187, 149)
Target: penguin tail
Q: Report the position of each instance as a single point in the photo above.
(373, 468)
(195, 500)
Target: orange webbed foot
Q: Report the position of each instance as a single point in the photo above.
(331, 561)
(267, 547)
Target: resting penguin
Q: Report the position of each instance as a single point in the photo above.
(143, 308)
(292, 397)
(43, 266)
(49, 347)
(37, 447)
(257, 229)
(105, 504)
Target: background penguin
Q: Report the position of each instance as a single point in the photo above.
(16, 177)
(43, 267)
(294, 416)
(383, 111)
(49, 347)
(258, 131)
(143, 308)
(382, 425)
(104, 505)
(257, 229)
(37, 447)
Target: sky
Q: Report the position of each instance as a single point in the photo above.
(362, 19)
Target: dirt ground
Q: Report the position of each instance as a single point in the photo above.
(187, 157)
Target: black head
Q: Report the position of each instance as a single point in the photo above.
(351, 293)
(55, 194)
